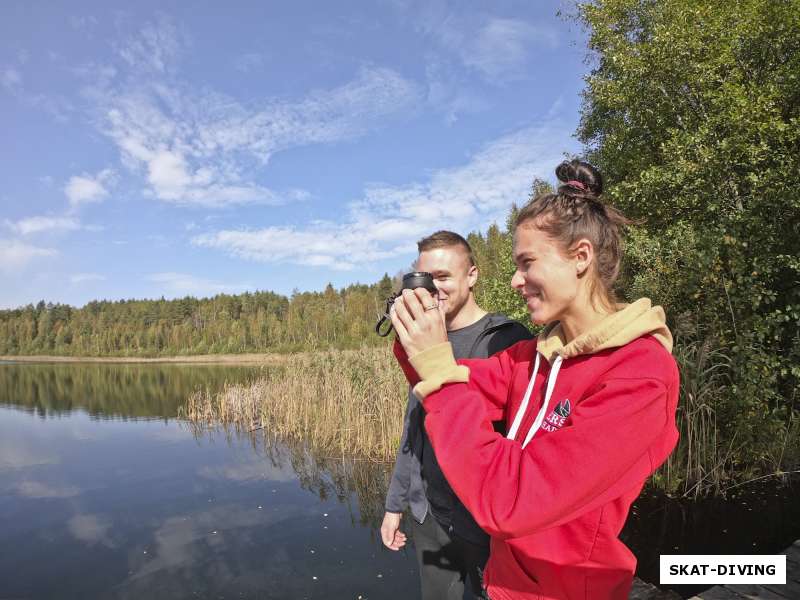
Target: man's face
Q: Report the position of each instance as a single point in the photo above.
(452, 274)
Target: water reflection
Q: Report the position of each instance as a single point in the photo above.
(123, 506)
(111, 390)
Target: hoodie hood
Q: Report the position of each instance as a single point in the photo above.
(631, 321)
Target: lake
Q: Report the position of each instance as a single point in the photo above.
(105, 493)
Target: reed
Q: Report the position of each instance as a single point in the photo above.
(349, 404)
(701, 463)
(338, 402)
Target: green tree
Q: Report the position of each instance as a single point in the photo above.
(692, 111)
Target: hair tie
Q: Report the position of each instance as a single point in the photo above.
(577, 184)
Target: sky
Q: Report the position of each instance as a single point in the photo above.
(171, 149)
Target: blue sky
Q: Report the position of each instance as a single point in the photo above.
(157, 149)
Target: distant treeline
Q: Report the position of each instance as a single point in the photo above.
(251, 322)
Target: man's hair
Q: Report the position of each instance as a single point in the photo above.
(446, 239)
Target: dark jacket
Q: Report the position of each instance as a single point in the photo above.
(417, 480)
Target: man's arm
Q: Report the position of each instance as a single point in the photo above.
(397, 495)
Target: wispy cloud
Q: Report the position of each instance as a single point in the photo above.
(497, 48)
(57, 106)
(41, 224)
(501, 48)
(16, 255)
(183, 284)
(155, 48)
(198, 147)
(86, 188)
(85, 277)
(389, 219)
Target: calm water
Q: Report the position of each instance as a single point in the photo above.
(104, 493)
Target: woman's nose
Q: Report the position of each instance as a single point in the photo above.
(517, 280)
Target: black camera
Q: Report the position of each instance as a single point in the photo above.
(411, 281)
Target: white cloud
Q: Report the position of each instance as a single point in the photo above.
(16, 255)
(183, 284)
(41, 224)
(85, 189)
(198, 147)
(85, 277)
(389, 219)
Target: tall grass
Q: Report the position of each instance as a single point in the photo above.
(339, 403)
(348, 405)
(699, 464)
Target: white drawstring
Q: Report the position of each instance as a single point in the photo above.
(551, 384)
(512, 433)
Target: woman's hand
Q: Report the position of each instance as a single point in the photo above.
(419, 320)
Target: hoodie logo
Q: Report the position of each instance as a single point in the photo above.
(558, 416)
(563, 408)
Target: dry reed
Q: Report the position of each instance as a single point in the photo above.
(338, 403)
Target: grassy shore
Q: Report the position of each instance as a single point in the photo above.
(238, 359)
(339, 402)
(350, 403)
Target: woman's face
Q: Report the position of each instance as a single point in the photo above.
(546, 277)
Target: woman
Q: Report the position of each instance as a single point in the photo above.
(589, 405)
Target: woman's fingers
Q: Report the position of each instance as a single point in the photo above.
(400, 309)
(424, 297)
(399, 324)
(413, 304)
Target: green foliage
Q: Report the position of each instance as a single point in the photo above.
(250, 322)
(693, 113)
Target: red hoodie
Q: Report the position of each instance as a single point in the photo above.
(555, 507)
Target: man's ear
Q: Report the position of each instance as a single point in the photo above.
(472, 276)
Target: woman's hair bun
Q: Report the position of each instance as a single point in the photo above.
(579, 176)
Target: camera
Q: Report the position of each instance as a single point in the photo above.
(411, 281)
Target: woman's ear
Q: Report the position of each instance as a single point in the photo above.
(583, 254)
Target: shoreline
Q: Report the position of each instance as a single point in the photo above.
(233, 359)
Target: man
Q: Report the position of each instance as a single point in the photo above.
(451, 549)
